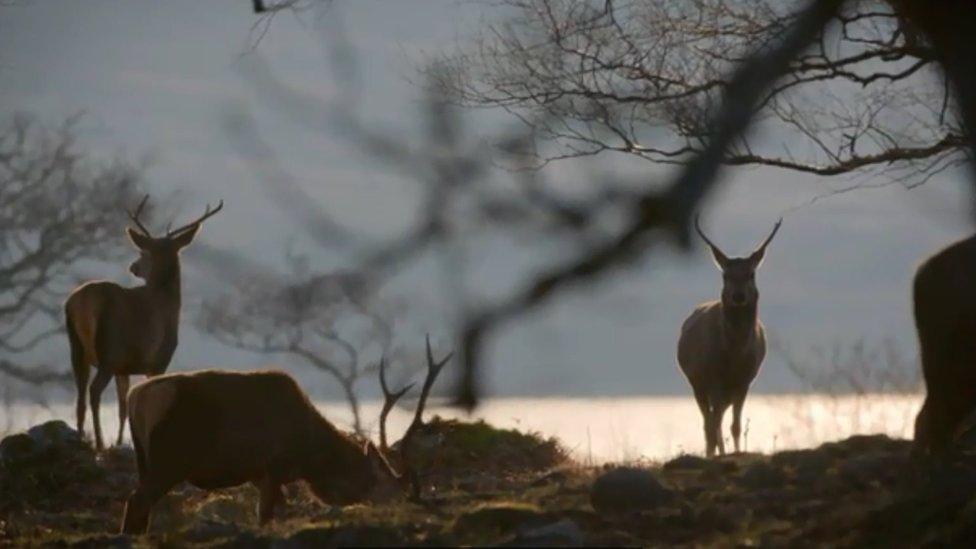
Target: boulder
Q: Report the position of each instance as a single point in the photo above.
(762, 476)
(38, 467)
(500, 519)
(342, 536)
(686, 462)
(626, 490)
(563, 533)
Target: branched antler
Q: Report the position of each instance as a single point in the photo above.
(390, 399)
(134, 216)
(433, 370)
(206, 215)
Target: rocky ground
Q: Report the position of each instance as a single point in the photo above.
(490, 486)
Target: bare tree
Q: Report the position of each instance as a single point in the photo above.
(645, 78)
(325, 320)
(710, 133)
(585, 235)
(852, 367)
(58, 209)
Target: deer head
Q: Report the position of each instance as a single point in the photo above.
(159, 256)
(738, 273)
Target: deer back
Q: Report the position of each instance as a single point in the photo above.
(125, 329)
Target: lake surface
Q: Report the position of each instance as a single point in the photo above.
(599, 430)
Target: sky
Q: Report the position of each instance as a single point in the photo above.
(158, 80)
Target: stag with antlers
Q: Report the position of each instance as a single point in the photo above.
(723, 343)
(390, 398)
(128, 331)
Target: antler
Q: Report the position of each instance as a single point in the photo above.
(389, 400)
(719, 254)
(433, 370)
(206, 214)
(134, 216)
(762, 247)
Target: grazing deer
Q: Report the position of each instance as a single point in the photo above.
(723, 343)
(218, 429)
(945, 317)
(126, 331)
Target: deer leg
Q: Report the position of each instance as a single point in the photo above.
(270, 497)
(737, 420)
(122, 391)
(701, 397)
(135, 517)
(94, 395)
(718, 412)
(81, 384)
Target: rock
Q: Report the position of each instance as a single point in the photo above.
(225, 508)
(54, 434)
(686, 462)
(104, 540)
(761, 476)
(16, 448)
(500, 519)
(39, 466)
(725, 519)
(48, 442)
(250, 540)
(862, 444)
(627, 489)
(552, 477)
(342, 536)
(210, 530)
(563, 533)
(863, 471)
(809, 465)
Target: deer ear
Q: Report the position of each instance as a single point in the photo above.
(719, 258)
(757, 258)
(140, 240)
(186, 237)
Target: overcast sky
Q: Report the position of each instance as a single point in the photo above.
(159, 79)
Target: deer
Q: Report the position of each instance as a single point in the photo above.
(723, 343)
(944, 299)
(128, 331)
(217, 429)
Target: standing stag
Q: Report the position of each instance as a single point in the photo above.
(723, 343)
(125, 331)
(945, 317)
(217, 429)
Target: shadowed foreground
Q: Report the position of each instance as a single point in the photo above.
(488, 486)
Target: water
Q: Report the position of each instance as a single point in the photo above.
(613, 429)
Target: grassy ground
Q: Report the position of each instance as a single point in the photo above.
(493, 486)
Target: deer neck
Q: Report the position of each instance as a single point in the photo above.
(165, 287)
(739, 325)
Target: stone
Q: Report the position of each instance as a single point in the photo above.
(686, 462)
(342, 536)
(761, 476)
(500, 518)
(54, 433)
(563, 533)
(626, 490)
